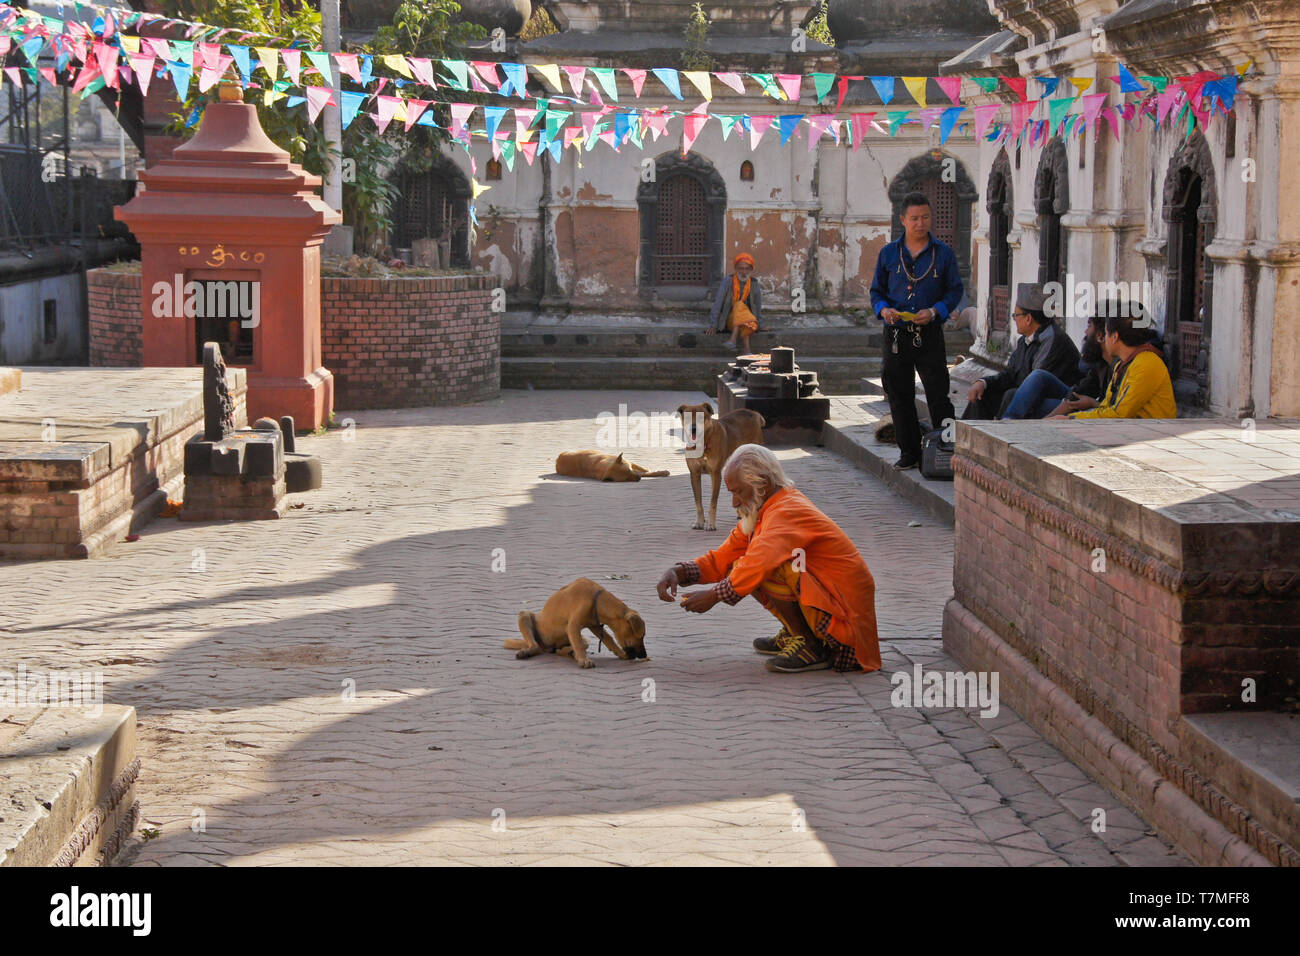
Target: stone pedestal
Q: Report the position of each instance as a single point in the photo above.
(230, 234)
(239, 477)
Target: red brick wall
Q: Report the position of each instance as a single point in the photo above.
(398, 343)
(115, 322)
(391, 343)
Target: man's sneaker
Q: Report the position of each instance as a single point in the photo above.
(800, 654)
(772, 645)
(906, 462)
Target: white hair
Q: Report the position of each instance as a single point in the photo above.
(757, 467)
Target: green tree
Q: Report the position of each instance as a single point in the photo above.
(694, 56)
(818, 29)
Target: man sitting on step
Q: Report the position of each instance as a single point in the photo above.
(797, 562)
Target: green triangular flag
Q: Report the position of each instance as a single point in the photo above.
(823, 82)
(460, 72)
(635, 135)
(1159, 82)
(1069, 123)
(184, 50)
(986, 83)
(554, 120)
(768, 82)
(896, 119)
(322, 63)
(605, 77)
(508, 153)
(1058, 109)
(728, 124)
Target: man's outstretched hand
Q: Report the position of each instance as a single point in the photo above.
(700, 601)
(668, 586)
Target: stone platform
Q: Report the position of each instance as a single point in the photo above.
(67, 784)
(1137, 585)
(87, 455)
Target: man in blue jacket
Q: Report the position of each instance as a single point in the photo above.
(916, 287)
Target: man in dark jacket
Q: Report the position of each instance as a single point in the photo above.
(917, 285)
(1042, 346)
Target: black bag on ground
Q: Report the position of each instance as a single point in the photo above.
(936, 456)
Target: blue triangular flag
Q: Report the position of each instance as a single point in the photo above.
(351, 103)
(426, 118)
(32, 48)
(367, 64)
(240, 53)
(884, 87)
(181, 73)
(1128, 82)
(492, 116)
(554, 146)
(1050, 83)
(788, 121)
(516, 80)
(622, 126)
(668, 77)
(947, 122)
(295, 100)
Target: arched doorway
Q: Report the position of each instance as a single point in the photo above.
(432, 204)
(1000, 209)
(1051, 202)
(681, 212)
(944, 181)
(1190, 204)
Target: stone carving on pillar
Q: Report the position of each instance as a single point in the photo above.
(1051, 202)
(218, 406)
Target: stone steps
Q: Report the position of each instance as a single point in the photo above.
(659, 355)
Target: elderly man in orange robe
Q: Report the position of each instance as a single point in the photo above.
(797, 562)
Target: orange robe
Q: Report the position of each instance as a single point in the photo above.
(835, 577)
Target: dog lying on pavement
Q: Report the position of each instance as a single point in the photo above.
(584, 603)
(602, 467)
(709, 443)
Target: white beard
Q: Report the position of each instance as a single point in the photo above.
(748, 518)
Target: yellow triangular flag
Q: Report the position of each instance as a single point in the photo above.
(1243, 70)
(478, 187)
(129, 43)
(398, 65)
(551, 71)
(1080, 83)
(701, 81)
(916, 86)
(399, 111)
(270, 96)
(270, 60)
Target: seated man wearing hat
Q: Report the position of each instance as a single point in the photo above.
(797, 562)
(1042, 346)
(739, 304)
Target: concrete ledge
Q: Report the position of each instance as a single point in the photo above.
(1090, 744)
(69, 784)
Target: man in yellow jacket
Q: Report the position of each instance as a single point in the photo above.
(1139, 380)
(797, 562)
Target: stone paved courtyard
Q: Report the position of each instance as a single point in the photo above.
(239, 645)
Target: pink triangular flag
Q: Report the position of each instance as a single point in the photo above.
(292, 64)
(460, 114)
(16, 78)
(860, 123)
(951, 86)
(205, 54)
(1109, 115)
(570, 134)
(983, 116)
(691, 126)
(160, 47)
(607, 137)
(317, 99)
(422, 69)
(757, 127)
(576, 75)
(790, 82)
(489, 73)
(523, 120)
(1020, 115)
(388, 109)
(106, 54)
(477, 86)
(48, 73)
(142, 64)
(414, 109)
(1165, 102)
(212, 72)
(733, 80)
(1092, 106)
(347, 64)
(529, 150)
(588, 122)
(638, 80)
(816, 126)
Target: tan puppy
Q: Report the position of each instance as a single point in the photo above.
(709, 443)
(602, 467)
(584, 603)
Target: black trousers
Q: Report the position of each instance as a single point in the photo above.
(989, 406)
(930, 359)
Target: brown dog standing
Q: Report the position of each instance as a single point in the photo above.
(602, 467)
(584, 603)
(709, 443)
